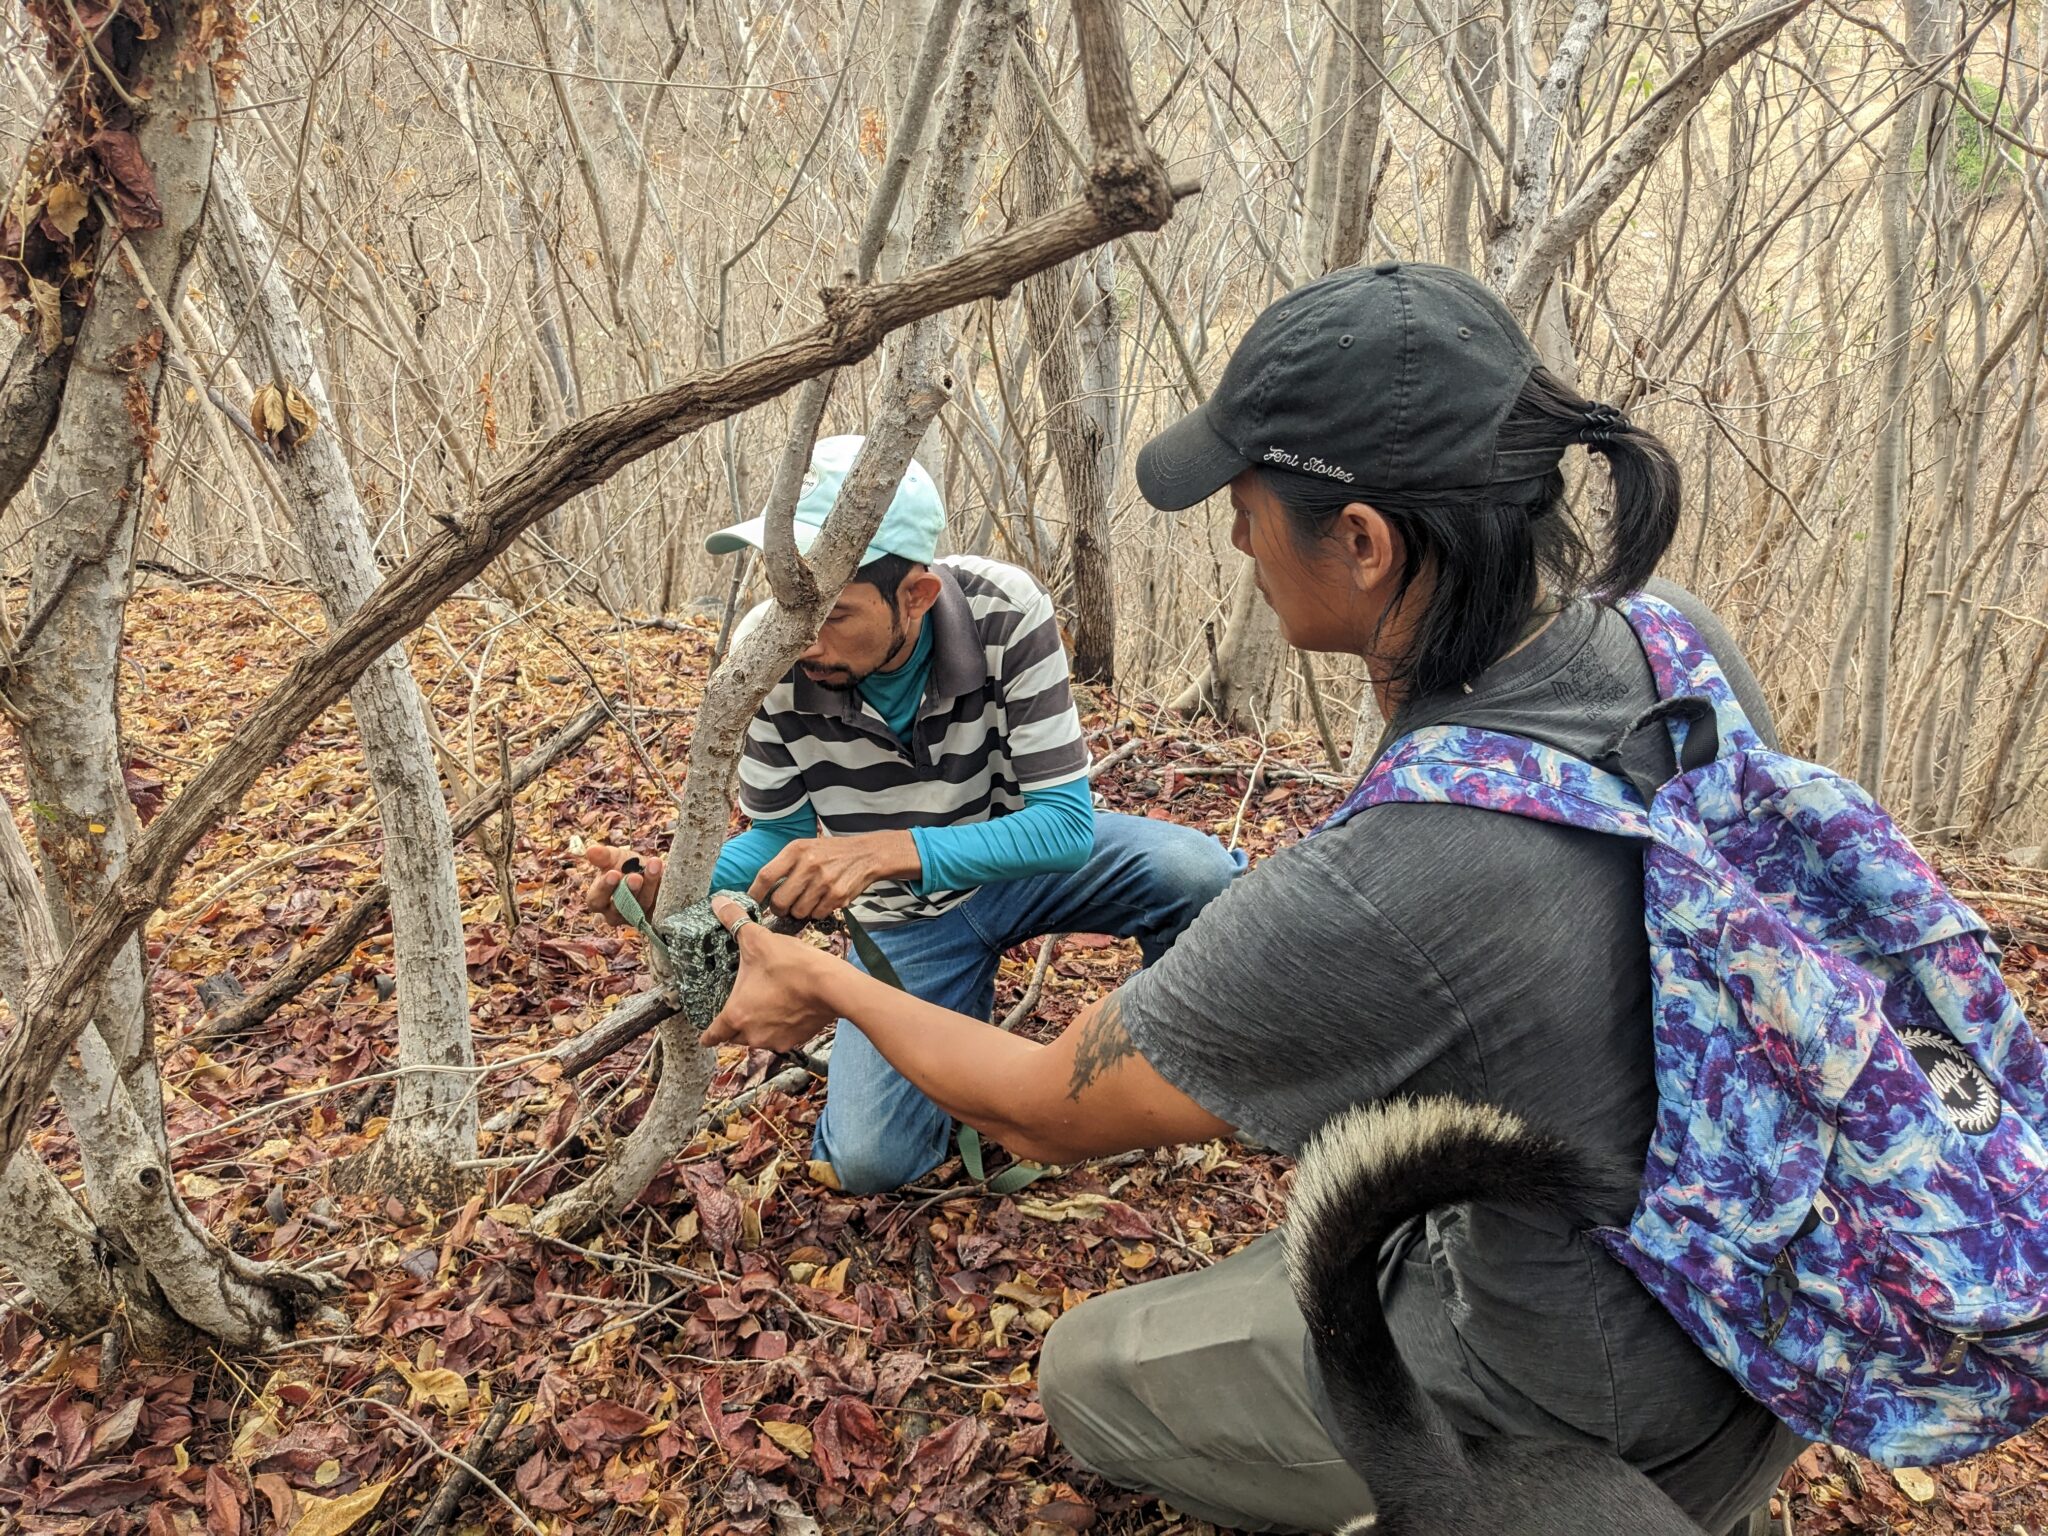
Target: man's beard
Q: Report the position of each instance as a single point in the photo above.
(845, 679)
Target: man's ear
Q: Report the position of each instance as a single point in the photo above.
(920, 590)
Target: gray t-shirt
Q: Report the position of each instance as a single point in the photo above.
(1433, 949)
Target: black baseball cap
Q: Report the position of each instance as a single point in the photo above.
(1393, 379)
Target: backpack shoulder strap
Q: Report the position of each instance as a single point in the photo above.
(1685, 668)
(1491, 771)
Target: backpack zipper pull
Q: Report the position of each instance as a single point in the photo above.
(1956, 1349)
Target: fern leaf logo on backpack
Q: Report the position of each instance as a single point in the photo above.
(1968, 1100)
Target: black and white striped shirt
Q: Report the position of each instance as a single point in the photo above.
(997, 719)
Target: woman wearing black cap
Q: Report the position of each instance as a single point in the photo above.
(1392, 450)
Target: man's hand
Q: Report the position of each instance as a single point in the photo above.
(816, 876)
(608, 861)
(778, 1002)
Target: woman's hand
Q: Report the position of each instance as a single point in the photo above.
(778, 1002)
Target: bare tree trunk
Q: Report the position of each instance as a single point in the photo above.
(145, 1250)
(63, 694)
(1477, 53)
(1073, 431)
(433, 1119)
(909, 81)
(31, 389)
(1360, 134)
(1900, 240)
(1924, 795)
(1096, 319)
(63, 689)
(51, 1245)
(1540, 113)
(1248, 657)
(1325, 145)
(2010, 752)
(1367, 726)
(1834, 693)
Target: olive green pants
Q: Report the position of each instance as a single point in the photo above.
(1193, 1388)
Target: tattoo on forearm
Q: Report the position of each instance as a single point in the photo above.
(1102, 1045)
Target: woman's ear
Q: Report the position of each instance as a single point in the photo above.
(1371, 544)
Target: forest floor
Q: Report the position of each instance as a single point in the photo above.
(745, 1350)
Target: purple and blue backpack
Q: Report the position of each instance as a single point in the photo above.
(1846, 1197)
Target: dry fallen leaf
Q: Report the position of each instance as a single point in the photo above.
(793, 1438)
(1084, 1207)
(833, 1280)
(437, 1385)
(266, 412)
(65, 208)
(283, 418)
(1000, 1316)
(1919, 1486)
(333, 1517)
(259, 1428)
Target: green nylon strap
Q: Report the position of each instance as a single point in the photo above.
(1011, 1179)
(627, 905)
(1017, 1176)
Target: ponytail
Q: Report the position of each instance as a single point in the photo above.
(1488, 561)
(1644, 476)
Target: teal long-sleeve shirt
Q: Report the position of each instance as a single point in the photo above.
(1053, 833)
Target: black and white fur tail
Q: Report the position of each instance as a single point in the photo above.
(1365, 1173)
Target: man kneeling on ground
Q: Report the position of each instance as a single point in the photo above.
(923, 766)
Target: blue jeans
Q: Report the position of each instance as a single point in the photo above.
(1145, 880)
